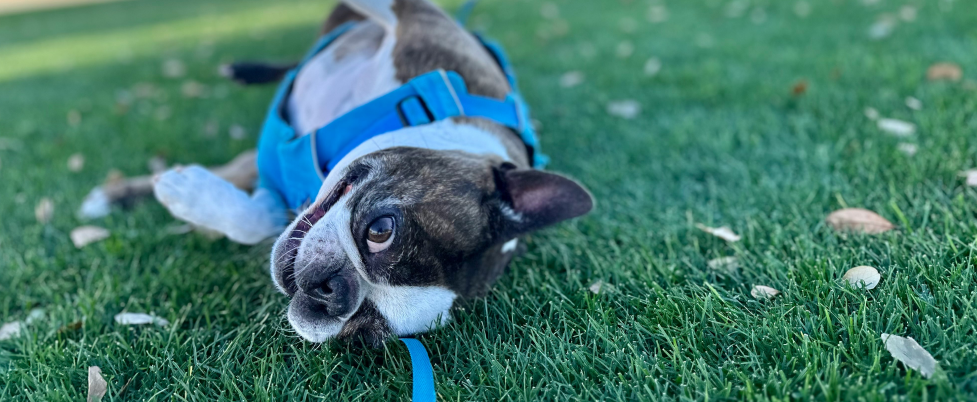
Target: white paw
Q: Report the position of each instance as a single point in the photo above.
(194, 194)
(191, 194)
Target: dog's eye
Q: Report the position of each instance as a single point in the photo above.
(380, 234)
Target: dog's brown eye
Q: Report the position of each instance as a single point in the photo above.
(380, 234)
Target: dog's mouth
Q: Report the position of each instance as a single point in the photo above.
(286, 270)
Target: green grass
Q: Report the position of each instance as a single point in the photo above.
(720, 140)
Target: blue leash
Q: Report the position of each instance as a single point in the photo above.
(422, 371)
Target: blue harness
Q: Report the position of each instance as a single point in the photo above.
(295, 166)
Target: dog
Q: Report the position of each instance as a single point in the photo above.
(390, 232)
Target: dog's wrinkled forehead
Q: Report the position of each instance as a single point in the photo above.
(438, 197)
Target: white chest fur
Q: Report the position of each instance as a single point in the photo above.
(355, 69)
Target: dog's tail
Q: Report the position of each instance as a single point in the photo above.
(379, 11)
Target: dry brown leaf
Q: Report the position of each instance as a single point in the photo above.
(896, 127)
(729, 264)
(140, 319)
(626, 109)
(724, 232)
(908, 351)
(858, 220)
(944, 71)
(44, 210)
(96, 384)
(761, 292)
(571, 79)
(863, 276)
(799, 88)
(84, 235)
(76, 162)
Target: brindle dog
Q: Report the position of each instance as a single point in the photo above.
(407, 224)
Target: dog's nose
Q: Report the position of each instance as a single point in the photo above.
(332, 292)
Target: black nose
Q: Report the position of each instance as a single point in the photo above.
(333, 293)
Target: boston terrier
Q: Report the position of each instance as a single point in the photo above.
(403, 151)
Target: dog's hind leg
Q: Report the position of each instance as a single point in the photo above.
(242, 171)
(204, 198)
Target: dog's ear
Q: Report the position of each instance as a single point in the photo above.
(533, 199)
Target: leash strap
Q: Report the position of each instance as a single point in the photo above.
(422, 371)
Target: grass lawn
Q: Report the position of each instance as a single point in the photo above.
(721, 139)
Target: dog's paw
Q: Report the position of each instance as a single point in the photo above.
(193, 194)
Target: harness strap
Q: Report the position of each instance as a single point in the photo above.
(295, 166)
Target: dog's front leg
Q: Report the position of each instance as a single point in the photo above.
(201, 197)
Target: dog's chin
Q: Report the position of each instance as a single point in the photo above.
(315, 330)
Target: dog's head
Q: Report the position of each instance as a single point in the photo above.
(406, 232)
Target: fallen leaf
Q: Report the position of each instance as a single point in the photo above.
(800, 87)
(897, 128)
(192, 89)
(571, 79)
(628, 25)
(944, 71)
(74, 118)
(657, 13)
(758, 16)
(863, 276)
(624, 49)
(237, 132)
(174, 68)
(724, 232)
(96, 384)
(85, 235)
(913, 103)
(764, 292)
(95, 205)
(596, 287)
(34, 315)
(882, 28)
(549, 11)
(704, 40)
(858, 220)
(10, 330)
(907, 13)
(626, 109)
(729, 264)
(76, 162)
(907, 148)
(44, 210)
(908, 351)
(652, 67)
(971, 176)
(140, 319)
(871, 113)
(802, 9)
(71, 327)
